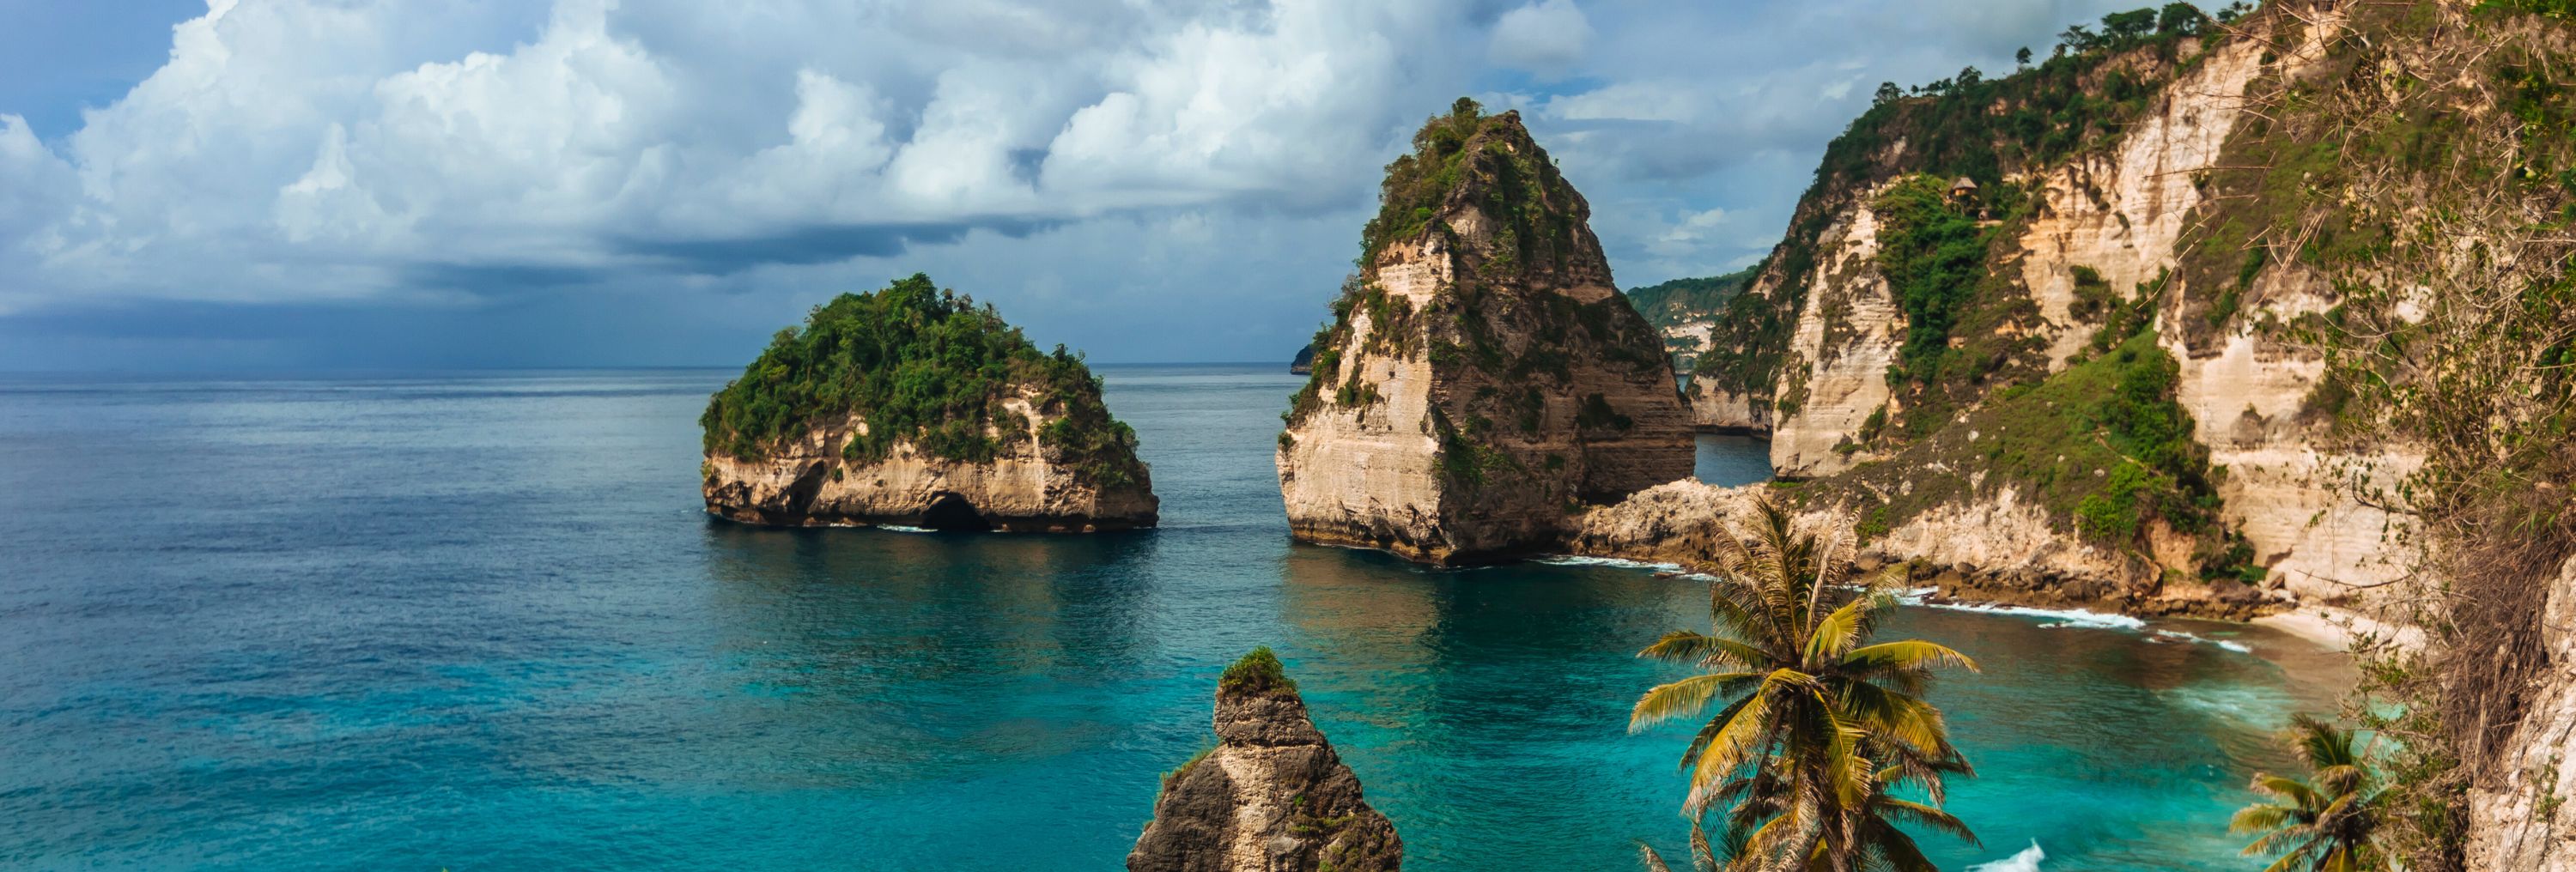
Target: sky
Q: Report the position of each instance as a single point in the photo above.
(385, 184)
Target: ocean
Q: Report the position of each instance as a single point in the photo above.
(478, 621)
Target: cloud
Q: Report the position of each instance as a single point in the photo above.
(324, 149)
(1148, 176)
(1545, 37)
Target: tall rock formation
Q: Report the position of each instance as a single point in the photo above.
(912, 406)
(1271, 797)
(2233, 315)
(1482, 379)
(1932, 353)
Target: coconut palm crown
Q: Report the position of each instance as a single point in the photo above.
(2326, 823)
(1816, 724)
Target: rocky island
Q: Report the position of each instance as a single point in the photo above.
(1271, 795)
(913, 406)
(1481, 379)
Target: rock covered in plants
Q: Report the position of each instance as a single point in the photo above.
(1687, 312)
(1271, 795)
(1481, 380)
(2081, 378)
(913, 406)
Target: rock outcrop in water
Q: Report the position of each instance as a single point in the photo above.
(1481, 379)
(1271, 797)
(912, 406)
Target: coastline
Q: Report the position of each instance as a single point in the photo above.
(2330, 630)
(2336, 628)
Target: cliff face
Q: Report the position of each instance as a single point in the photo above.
(2520, 819)
(1685, 311)
(2231, 317)
(807, 482)
(910, 406)
(1271, 797)
(1482, 378)
(1847, 333)
(1888, 366)
(1719, 410)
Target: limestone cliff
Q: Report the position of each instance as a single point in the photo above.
(1723, 411)
(1686, 310)
(1950, 263)
(2214, 318)
(1687, 313)
(912, 406)
(2521, 819)
(1481, 379)
(1271, 797)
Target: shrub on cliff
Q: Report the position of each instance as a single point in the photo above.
(1257, 672)
(1981, 128)
(922, 366)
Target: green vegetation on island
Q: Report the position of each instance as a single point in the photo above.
(1667, 304)
(1678, 304)
(1467, 160)
(1967, 126)
(922, 366)
(1256, 672)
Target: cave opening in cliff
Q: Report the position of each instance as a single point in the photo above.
(951, 511)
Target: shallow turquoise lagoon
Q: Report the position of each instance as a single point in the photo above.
(477, 621)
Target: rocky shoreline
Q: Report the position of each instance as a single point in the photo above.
(1978, 561)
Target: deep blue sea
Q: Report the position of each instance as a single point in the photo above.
(478, 621)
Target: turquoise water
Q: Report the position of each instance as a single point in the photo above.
(478, 622)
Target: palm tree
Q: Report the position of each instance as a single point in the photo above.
(2323, 824)
(1816, 727)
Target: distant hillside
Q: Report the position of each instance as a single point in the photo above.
(1684, 310)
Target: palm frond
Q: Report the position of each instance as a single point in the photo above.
(1647, 857)
(1927, 817)
(1908, 654)
(1684, 697)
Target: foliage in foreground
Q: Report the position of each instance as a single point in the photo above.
(2327, 823)
(922, 366)
(1821, 733)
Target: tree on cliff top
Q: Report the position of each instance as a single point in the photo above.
(1819, 725)
(924, 366)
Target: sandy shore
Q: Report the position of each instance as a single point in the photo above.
(2336, 628)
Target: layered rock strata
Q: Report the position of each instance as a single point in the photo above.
(1482, 379)
(2103, 236)
(1271, 797)
(1723, 411)
(808, 482)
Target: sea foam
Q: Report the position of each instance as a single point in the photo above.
(2058, 617)
(2026, 861)
(2238, 647)
(1571, 560)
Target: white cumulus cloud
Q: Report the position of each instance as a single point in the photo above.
(1547, 36)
